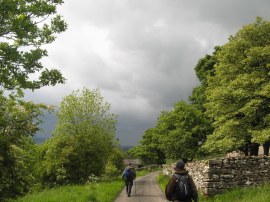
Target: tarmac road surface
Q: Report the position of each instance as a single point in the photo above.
(145, 189)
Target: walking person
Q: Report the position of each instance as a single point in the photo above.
(181, 187)
(129, 174)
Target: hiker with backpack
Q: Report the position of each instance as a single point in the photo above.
(181, 187)
(129, 174)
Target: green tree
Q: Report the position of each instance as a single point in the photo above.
(182, 131)
(178, 133)
(26, 25)
(83, 139)
(238, 94)
(149, 150)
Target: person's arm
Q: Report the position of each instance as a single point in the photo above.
(194, 189)
(169, 188)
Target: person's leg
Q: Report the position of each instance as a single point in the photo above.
(130, 187)
(127, 185)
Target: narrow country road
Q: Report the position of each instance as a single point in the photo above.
(145, 189)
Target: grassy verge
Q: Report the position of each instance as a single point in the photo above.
(162, 180)
(249, 194)
(96, 192)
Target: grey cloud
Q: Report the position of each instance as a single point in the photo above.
(234, 14)
(142, 53)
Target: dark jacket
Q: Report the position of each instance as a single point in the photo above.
(170, 191)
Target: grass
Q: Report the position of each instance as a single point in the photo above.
(162, 180)
(248, 194)
(94, 192)
(146, 171)
(108, 191)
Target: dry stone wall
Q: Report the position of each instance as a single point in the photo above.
(218, 175)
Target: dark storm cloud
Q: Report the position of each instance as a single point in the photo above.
(141, 54)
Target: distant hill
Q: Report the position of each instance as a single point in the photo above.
(126, 148)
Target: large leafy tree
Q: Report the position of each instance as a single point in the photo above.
(26, 25)
(238, 95)
(178, 133)
(83, 139)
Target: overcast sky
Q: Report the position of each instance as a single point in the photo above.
(141, 54)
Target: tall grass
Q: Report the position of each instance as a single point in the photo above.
(248, 194)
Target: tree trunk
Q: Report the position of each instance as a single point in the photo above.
(244, 149)
(266, 146)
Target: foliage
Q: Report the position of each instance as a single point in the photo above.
(149, 150)
(177, 134)
(116, 158)
(115, 163)
(205, 67)
(83, 139)
(238, 93)
(182, 130)
(18, 123)
(110, 171)
(24, 28)
(204, 70)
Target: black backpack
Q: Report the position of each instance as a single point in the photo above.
(183, 187)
